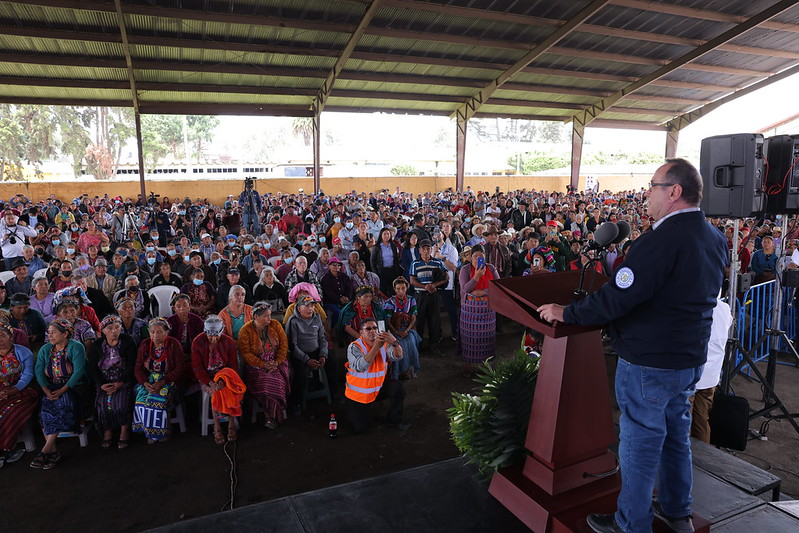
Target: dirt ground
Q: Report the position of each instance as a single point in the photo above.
(147, 486)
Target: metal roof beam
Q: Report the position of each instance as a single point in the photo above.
(327, 86)
(594, 111)
(625, 125)
(702, 14)
(689, 118)
(471, 106)
(126, 49)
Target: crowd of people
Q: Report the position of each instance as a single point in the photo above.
(269, 289)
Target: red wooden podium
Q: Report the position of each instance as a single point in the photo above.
(571, 423)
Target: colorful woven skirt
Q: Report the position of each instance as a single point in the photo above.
(478, 329)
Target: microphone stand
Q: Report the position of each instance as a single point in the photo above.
(580, 292)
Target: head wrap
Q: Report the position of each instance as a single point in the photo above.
(177, 297)
(8, 328)
(260, 308)
(75, 293)
(159, 321)
(364, 289)
(110, 319)
(546, 253)
(20, 298)
(63, 325)
(123, 301)
(310, 288)
(65, 302)
(213, 325)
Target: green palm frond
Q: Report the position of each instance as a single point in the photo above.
(489, 428)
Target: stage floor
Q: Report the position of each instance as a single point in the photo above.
(449, 496)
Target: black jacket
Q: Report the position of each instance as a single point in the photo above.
(660, 303)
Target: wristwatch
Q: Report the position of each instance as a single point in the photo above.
(395, 343)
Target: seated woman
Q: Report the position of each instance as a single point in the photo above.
(27, 319)
(401, 315)
(264, 347)
(68, 308)
(361, 277)
(352, 314)
(131, 325)
(269, 289)
(60, 366)
(133, 292)
(202, 296)
(110, 366)
(159, 363)
(18, 400)
(236, 313)
(42, 299)
(212, 351)
(184, 328)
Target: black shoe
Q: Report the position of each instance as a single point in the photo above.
(603, 523)
(680, 525)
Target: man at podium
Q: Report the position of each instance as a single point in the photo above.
(659, 308)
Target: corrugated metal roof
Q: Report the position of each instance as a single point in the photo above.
(423, 56)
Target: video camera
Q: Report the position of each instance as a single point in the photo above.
(249, 182)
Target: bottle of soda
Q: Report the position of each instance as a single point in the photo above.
(333, 426)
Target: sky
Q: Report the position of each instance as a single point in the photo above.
(399, 136)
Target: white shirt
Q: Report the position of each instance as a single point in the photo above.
(14, 249)
(719, 331)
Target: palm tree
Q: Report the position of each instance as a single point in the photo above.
(302, 127)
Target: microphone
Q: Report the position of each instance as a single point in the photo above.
(604, 235)
(624, 231)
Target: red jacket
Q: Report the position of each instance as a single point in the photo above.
(199, 356)
(175, 360)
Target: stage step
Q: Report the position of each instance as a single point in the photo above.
(745, 476)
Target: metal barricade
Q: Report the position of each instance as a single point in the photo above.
(754, 317)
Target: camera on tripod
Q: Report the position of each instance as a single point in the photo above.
(249, 182)
(153, 198)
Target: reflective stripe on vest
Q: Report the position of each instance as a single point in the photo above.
(363, 387)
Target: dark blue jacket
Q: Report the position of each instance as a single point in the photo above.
(659, 304)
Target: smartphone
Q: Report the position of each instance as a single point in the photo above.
(381, 325)
(481, 262)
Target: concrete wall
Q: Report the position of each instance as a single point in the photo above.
(217, 190)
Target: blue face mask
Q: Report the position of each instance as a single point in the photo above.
(181, 213)
(150, 249)
(300, 242)
(247, 247)
(56, 242)
(70, 251)
(216, 261)
(288, 260)
(151, 261)
(186, 258)
(172, 253)
(349, 225)
(322, 239)
(467, 219)
(336, 219)
(198, 282)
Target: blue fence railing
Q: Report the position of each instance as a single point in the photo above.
(755, 310)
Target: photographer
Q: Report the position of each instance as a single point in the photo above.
(250, 204)
(13, 236)
(158, 220)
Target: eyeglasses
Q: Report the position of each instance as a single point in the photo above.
(653, 184)
(370, 328)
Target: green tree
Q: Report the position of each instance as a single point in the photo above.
(404, 170)
(538, 161)
(201, 129)
(11, 144)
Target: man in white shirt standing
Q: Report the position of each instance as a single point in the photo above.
(12, 236)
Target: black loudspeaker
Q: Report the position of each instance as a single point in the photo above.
(790, 279)
(729, 421)
(732, 172)
(782, 174)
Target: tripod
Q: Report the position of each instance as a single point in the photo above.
(773, 335)
(127, 225)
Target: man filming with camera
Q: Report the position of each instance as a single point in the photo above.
(250, 203)
(13, 236)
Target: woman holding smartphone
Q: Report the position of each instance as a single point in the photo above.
(477, 320)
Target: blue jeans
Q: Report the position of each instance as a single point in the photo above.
(655, 424)
(251, 219)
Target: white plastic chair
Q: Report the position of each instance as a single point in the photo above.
(41, 273)
(207, 417)
(83, 434)
(26, 436)
(163, 296)
(6, 276)
(178, 417)
(273, 261)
